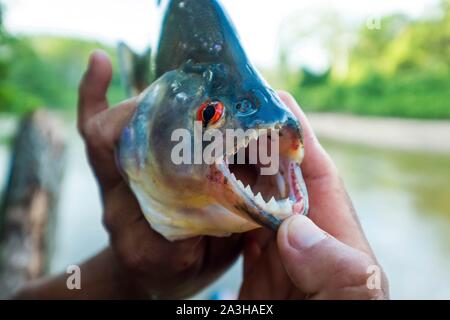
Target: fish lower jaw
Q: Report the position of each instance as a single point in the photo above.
(293, 200)
(281, 208)
(285, 190)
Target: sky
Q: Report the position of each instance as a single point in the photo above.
(260, 23)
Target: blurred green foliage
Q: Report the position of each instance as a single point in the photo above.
(44, 71)
(401, 70)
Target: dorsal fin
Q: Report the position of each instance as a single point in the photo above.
(135, 69)
(197, 30)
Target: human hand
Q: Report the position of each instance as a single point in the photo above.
(325, 256)
(148, 264)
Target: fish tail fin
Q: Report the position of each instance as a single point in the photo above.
(135, 69)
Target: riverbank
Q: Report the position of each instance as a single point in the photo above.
(394, 133)
(400, 134)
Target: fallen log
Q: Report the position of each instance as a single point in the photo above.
(27, 213)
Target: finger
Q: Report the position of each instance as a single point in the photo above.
(101, 135)
(330, 206)
(320, 265)
(140, 249)
(128, 227)
(267, 278)
(251, 253)
(104, 130)
(317, 163)
(120, 208)
(255, 242)
(93, 87)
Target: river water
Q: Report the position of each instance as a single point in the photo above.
(403, 200)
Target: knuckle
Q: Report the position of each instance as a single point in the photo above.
(349, 278)
(130, 257)
(132, 260)
(109, 214)
(81, 127)
(355, 272)
(352, 270)
(91, 133)
(108, 221)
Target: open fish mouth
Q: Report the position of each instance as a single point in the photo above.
(267, 199)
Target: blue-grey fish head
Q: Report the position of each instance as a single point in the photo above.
(201, 64)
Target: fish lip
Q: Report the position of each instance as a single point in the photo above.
(248, 203)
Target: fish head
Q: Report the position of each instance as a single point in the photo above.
(200, 138)
(210, 132)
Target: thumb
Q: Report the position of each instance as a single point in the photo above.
(320, 265)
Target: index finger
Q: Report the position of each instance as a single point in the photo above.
(101, 135)
(316, 163)
(330, 206)
(93, 87)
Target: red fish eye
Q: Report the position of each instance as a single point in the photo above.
(210, 112)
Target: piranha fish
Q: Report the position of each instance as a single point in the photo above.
(202, 75)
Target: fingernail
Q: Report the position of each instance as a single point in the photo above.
(303, 233)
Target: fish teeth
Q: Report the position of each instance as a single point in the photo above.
(250, 135)
(273, 205)
(233, 176)
(259, 200)
(302, 204)
(241, 185)
(249, 191)
(285, 206)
